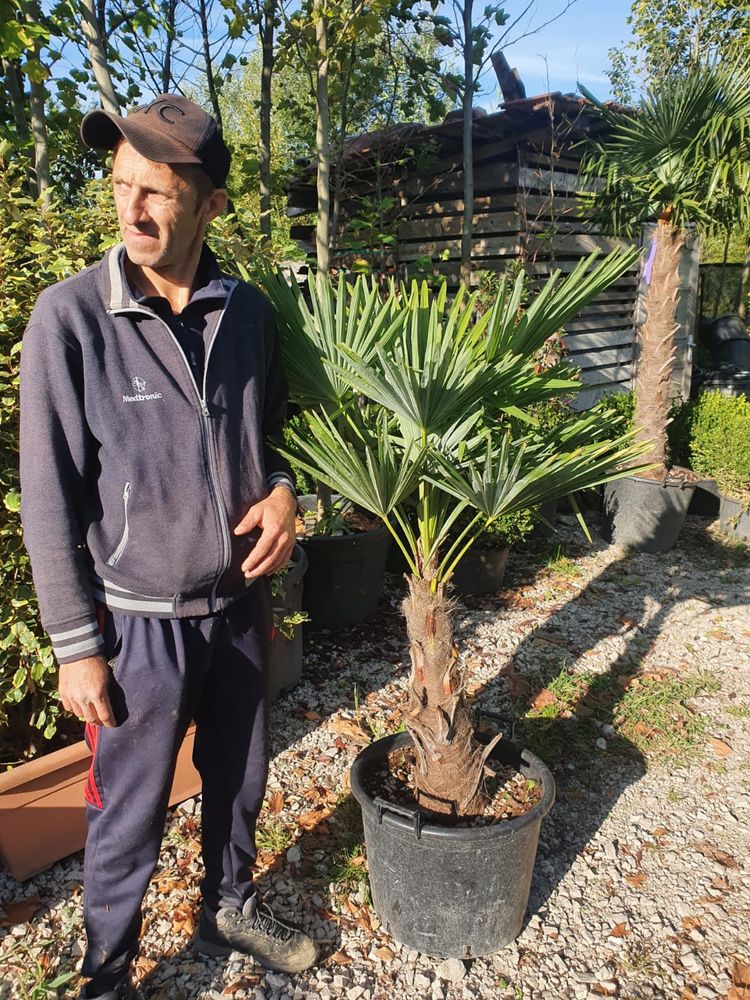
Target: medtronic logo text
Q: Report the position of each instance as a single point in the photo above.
(141, 396)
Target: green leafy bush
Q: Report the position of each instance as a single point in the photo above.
(37, 248)
(719, 435)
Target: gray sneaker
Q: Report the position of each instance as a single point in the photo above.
(255, 931)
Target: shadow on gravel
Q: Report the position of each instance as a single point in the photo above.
(549, 703)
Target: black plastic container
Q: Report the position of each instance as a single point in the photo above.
(481, 571)
(450, 892)
(645, 514)
(285, 670)
(344, 576)
(734, 519)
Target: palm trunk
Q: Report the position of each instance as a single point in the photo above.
(744, 286)
(657, 344)
(98, 56)
(450, 764)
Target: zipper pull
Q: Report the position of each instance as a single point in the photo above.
(205, 409)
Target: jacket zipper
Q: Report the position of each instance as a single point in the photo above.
(207, 435)
(115, 557)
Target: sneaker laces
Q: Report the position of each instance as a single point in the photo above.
(268, 923)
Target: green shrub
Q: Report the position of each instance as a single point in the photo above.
(37, 248)
(719, 433)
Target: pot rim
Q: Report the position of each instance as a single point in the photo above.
(370, 533)
(434, 832)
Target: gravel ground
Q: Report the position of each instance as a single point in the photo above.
(642, 881)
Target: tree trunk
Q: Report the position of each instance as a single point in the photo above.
(467, 231)
(212, 92)
(657, 344)
(14, 90)
(744, 286)
(338, 180)
(38, 121)
(98, 56)
(450, 764)
(166, 66)
(322, 144)
(264, 146)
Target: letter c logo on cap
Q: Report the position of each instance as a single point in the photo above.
(165, 110)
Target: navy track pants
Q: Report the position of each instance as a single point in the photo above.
(166, 672)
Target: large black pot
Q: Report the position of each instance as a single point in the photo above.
(481, 571)
(344, 576)
(645, 514)
(450, 892)
(286, 654)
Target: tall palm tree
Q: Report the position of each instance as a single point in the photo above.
(430, 419)
(681, 157)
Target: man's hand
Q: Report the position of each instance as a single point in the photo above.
(83, 690)
(275, 517)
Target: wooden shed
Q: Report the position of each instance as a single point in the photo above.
(400, 205)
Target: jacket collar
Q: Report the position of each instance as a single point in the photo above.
(211, 283)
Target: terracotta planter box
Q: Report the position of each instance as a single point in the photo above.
(42, 817)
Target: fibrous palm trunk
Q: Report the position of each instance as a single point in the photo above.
(657, 343)
(450, 764)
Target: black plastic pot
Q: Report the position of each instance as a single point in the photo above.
(344, 576)
(734, 518)
(705, 502)
(481, 571)
(645, 514)
(286, 654)
(450, 892)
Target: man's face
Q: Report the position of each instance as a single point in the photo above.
(158, 211)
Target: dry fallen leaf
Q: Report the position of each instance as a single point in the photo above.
(183, 920)
(351, 730)
(20, 911)
(543, 698)
(340, 958)
(712, 852)
(385, 954)
(276, 802)
(741, 974)
(620, 930)
(312, 716)
(659, 831)
(719, 747)
(638, 880)
(691, 923)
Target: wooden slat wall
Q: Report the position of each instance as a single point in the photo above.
(525, 210)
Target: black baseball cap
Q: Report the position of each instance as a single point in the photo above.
(169, 129)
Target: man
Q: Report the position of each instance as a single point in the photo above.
(153, 508)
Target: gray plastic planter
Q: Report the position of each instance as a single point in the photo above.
(645, 513)
(450, 892)
(734, 518)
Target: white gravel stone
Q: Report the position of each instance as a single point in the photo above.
(452, 970)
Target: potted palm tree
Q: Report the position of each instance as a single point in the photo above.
(346, 555)
(682, 157)
(435, 394)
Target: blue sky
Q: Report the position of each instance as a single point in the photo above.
(575, 47)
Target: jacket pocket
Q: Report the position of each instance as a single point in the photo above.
(121, 545)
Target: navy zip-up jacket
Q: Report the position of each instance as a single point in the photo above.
(133, 475)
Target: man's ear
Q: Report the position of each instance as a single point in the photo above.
(217, 202)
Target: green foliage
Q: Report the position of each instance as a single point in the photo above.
(684, 156)
(37, 248)
(719, 441)
(440, 390)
